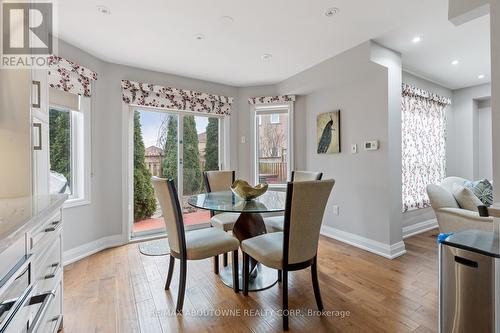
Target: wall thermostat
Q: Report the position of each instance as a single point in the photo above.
(371, 145)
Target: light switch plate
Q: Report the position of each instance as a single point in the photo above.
(336, 210)
(354, 148)
(243, 139)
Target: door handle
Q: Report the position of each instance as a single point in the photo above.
(466, 262)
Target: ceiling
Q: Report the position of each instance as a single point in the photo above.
(442, 42)
(160, 35)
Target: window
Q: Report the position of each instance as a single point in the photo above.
(272, 144)
(69, 141)
(275, 118)
(423, 145)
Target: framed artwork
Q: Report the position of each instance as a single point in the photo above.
(328, 132)
(35, 94)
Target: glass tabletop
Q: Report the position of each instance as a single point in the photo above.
(271, 201)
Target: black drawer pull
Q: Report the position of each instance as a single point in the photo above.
(53, 227)
(466, 262)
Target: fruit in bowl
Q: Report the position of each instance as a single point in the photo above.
(246, 191)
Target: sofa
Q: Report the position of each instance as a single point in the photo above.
(450, 216)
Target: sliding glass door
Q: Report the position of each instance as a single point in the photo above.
(174, 145)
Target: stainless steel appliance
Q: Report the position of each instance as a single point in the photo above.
(469, 280)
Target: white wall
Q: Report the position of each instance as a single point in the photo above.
(362, 90)
(244, 126)
(484, 141)
(462, 131)
(461, 11)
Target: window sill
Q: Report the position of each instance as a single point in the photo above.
(71, 203)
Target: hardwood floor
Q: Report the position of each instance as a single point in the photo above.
(120, 290)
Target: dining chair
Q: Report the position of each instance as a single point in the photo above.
(191, 245)
(217, 181)
(296, 247)
(275, 223)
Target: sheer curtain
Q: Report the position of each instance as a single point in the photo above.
(423, 144)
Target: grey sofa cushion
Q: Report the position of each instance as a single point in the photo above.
(483, 189)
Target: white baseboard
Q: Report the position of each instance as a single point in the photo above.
(85, 250)
(419, 228)
(381, 249)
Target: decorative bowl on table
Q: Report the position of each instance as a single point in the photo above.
(247, 192)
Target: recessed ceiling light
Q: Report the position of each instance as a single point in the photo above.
(481, 76)
(226, 20)
(455, 62)
(332, 11)
(199, 36)
(266, 56)
(417, 39)
(103, 10)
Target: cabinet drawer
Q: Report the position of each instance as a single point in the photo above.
(53, 318)
(45, 232)
(48, 267)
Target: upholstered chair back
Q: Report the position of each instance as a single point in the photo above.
(172, 214)
(302, 176)
(441, 196)
(305, 206)
(217, 181)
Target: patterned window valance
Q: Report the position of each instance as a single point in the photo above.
(145, 94)
(68, 76)
(409, 90)
(271, 99)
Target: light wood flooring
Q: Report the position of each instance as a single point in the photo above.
(120, 290)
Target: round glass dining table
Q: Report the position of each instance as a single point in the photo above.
(249, 224)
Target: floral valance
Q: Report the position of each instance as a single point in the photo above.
(145, 94)
(409, 90)
(272, 99)
(68, 76)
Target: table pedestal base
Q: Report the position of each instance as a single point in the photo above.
(261, 278)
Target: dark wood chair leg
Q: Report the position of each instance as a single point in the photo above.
(285, 300)
(170, 272)
(246, 273)
(216, 265)
(236, 278)
(314, 277)
(182, 286)
(224, 260)
(279, 275)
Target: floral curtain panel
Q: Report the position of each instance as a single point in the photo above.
(423, 144)
(68, 76)
(272, 99)
(145, 94)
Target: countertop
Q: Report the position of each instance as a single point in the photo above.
(478, 241)
(17, 215)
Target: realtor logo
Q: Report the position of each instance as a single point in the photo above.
(27, 34)
(27, 28)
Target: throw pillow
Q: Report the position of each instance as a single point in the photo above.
(466, 198)
(483, 189)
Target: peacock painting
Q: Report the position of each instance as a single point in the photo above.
(328, 132)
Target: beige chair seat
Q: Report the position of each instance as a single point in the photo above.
(224, 221)
(275, 223)
(209, 242)
(266, 249)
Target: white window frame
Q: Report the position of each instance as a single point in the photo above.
(259, 109)
(80, 153)
(128, 164)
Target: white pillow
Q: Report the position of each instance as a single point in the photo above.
(466, 198)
